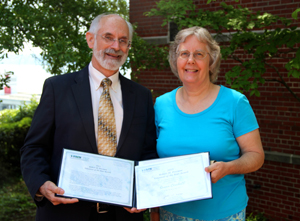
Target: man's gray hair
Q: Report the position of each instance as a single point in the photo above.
(95, 26)
(203, 36)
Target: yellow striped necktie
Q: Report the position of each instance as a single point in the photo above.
(107, 133)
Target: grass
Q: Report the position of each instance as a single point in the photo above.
(16, 203)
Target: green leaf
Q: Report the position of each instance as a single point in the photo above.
(295, 14)
(252, 92)
(164, 23)
(262, 81)
(288, 66)
(294, 73)
(251, 25)
(296, 65)
(235, 86)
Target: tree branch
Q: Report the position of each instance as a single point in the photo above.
(283, 82)
(237, 59)
(274, 80)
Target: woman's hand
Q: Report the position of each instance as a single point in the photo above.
(252, 158)
(218, 170)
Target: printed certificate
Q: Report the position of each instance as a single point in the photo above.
(151, 183)
(172, 180)
(97, 178)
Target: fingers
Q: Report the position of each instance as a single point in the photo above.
(134, 210)
(211, 168)
(214, 177)
(60, 200)
(49, 189)
(208, 169)
(217, 171)
(140, 210)
(128, 209)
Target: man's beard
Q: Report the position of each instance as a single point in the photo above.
(108, 63)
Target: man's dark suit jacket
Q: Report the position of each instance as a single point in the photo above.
(64, 119)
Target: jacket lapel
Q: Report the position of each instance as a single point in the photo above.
(128, 97)
(82, 94)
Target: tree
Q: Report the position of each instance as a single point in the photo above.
(59, 27)
(144, 56)
(236, 26)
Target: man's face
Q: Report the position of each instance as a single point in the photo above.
(111, 55)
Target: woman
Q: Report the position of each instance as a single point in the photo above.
(201, 116)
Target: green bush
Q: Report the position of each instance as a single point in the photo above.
(146, 215)
(259, 217)
(14, 125)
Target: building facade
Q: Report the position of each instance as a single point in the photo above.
(275, 188)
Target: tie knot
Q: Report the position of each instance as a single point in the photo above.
(106, 82)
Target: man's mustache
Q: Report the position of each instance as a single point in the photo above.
(113, 51)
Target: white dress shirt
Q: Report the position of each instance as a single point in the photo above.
(115, 93)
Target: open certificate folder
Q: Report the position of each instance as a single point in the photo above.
(143, 184)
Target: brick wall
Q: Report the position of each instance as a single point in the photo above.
(275, 188)
(147, 27)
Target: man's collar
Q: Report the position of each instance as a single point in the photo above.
(97, 77)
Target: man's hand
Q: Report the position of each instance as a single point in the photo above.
(48, 190)
(134, 210)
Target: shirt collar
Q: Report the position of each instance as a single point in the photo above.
(97, 77)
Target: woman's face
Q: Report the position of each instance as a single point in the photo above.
(192, 70)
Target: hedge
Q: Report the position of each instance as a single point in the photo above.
(14, 125)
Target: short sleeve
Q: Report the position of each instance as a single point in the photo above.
(244, 118)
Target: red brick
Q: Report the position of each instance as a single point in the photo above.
(277, 112)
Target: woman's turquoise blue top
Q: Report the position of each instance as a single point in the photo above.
(215, 130)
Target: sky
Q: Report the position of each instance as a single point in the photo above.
(29, 74)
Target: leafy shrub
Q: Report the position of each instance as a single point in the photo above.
(259, 217)
(146, 215)
(14, 125)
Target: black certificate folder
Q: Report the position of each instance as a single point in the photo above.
(122, 182)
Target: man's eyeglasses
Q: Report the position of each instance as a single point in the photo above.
(123, 42)
(198, 54)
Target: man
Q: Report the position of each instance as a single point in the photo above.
(68, 117)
